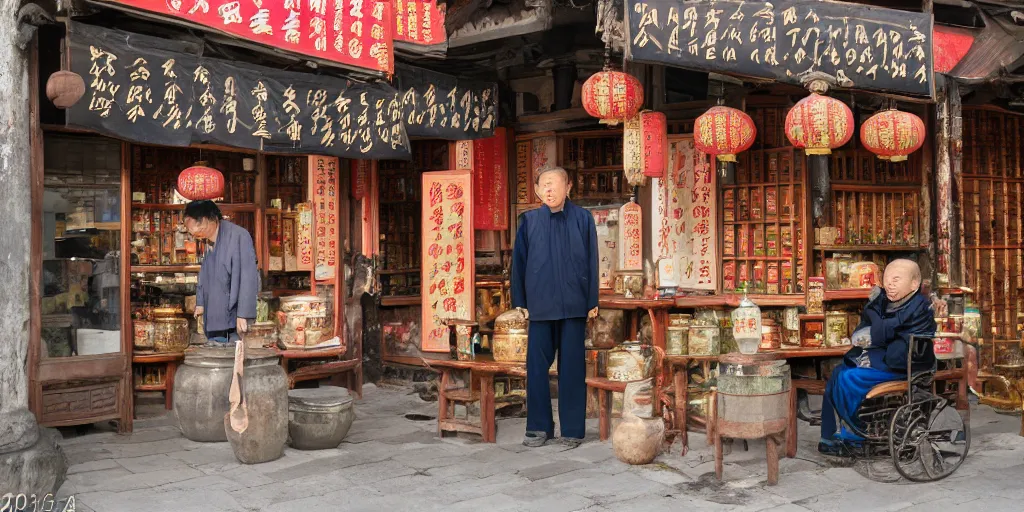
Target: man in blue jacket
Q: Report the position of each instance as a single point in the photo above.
(881, 342)
(554, 281)
(228, 278)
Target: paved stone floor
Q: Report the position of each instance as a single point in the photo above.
(389, 462)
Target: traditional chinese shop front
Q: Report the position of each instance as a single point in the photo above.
(117, 272)
(794, 193)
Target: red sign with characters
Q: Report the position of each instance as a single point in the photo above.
(356, 33)
(419, 22)
(490, 182)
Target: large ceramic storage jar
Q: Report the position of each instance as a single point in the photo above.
(265, 387)
(201, 393)
(319, 418)
(510, 335)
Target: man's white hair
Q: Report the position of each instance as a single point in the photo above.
(559, 170)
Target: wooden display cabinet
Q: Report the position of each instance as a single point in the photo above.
(992, 205)
(399, 200)
(763, 214)
(594, 163)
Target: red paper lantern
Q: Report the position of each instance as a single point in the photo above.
(612, 96)
(892, 135)
(723, 132)
(818, 124)
(200, 182)
(645, 146)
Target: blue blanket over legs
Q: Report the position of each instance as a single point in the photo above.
(844, 393)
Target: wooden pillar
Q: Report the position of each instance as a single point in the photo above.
(957, 269)
(943, 184)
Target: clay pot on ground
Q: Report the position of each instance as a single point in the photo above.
(639, 437)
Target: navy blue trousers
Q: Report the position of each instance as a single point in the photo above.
(564, 339)
(845, 391)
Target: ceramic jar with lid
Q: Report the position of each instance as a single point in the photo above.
(319, 418)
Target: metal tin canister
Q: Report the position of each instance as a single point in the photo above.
(676, 341)
(703, 340)
(771, 335)
(837, 327)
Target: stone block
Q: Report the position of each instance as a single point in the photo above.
(38, 469)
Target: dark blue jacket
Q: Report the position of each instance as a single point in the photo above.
(554, 263)
(890, 333)
(228, 280)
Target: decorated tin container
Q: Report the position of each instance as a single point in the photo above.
(510, 336)
(704, 340)
(837, 327)
(771, 335)
(628, 362)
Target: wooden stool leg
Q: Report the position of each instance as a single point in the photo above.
(718, 457)
(442, 401)
(172, 367)
(772, 442)
(682, 398)
(487, 426)
(605, 417)
(791, 424)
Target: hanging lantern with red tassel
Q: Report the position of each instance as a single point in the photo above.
(818, 124)
(645, 146)
(723, 132)
(892, 135)
(200, 182)
(612, 96)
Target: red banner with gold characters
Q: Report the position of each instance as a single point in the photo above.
(419, 22)
(447, 270)
(323, 177)
(490, 182)
(355, 33)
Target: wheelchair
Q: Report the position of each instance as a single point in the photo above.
(923, 433)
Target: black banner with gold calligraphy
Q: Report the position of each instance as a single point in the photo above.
(442, 106)
(154, 91)
(864, 47)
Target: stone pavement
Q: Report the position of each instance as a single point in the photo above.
(393, 463)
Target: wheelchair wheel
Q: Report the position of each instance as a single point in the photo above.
(928, 440)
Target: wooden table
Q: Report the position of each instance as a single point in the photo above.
(347, 373)
(171, 360)
(678, 366)
(481, 388)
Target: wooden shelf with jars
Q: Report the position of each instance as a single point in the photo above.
(288, 197)
(763, 216)
(400, 232)
(594, 163)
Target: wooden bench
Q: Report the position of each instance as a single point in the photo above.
(347, 373)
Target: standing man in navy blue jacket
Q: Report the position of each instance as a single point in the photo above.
(554, 282)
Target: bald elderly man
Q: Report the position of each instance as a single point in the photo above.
(879, 352)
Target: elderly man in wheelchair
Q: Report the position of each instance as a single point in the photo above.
(879, 399)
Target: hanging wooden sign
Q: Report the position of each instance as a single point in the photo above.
(447, 268)
(524, 178)
(323, 178)
(490, 182)
(356, 33)
(304, 237)
(631, 238)
(864, 47)
(420, 22)
(683, 220)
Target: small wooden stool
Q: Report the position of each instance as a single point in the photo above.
(171, 362)
(605, 388)
(743, 420)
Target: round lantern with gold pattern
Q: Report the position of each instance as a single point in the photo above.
(200, 182)
(612, 96)
(723, 132)
(892, 135)
(818, 124)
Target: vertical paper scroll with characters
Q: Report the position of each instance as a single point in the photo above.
(683, 226)
(447, 269)
(323, 176)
